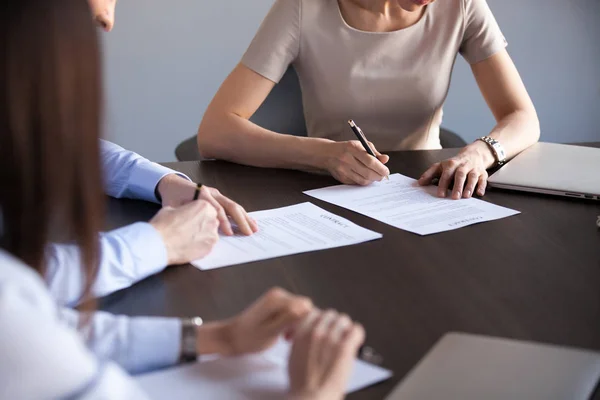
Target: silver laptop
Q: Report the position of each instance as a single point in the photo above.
(549, 168)
(470, 367)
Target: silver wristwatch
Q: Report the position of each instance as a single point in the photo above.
(496, 148)
(189, 333)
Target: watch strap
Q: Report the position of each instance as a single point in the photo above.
(496, 148)
(189, 338)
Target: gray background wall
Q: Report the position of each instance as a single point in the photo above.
(165, 60)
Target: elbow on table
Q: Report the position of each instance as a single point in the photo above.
(207, 139)
(530, 128)
(535, 128)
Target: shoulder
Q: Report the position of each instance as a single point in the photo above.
(449, 9)
(300, 8)
(292, 12)
(473, 3)
(317, 6)
(475, 8)
(28, 324)
(446, 18)
(282, 15)
(291, 7)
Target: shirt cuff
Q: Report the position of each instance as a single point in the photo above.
(145, 177)
(147, 248)
(155, 343)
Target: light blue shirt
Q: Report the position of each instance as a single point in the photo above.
(44, 357)
(127, 255)
(129, 175)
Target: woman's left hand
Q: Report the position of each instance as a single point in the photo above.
(258, 327)
(468, 170)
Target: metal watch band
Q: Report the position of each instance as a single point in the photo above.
(189, 329)
(496, 148)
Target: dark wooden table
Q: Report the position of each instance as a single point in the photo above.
(535, 276)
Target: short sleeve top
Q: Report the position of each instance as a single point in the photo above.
(393, 84)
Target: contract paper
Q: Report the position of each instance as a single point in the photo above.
(284, 231)
(402, 203)
(261, 376)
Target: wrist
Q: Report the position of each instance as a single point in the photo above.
(158, 226)
(482, 151)
(171, 183)
(319, 152)
(162, 186)
(213, 338)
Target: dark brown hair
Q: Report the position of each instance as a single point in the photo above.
(50, 100)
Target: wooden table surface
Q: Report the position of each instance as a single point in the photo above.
(535, 276)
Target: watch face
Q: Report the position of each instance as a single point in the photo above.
(189, 344)
(501, 155)
(189, 330)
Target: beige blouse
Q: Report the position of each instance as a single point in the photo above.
(392, 84)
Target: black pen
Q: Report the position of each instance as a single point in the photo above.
(363, 139)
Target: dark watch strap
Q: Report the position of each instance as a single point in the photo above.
(189, 338)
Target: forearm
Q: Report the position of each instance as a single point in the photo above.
(129, 175)
(212, 338)
(138, 344)
(127, 255)
(515, 132)
(233, 138)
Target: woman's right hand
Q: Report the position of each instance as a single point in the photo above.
(189, 232)
(324, 348)
(349, 163)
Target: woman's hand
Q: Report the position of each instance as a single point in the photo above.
(257, 328)
(349, 163)
(324, 349)
(468, 169)
(176, 191)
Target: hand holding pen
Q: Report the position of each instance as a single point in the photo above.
(368, 146)
(350, 162)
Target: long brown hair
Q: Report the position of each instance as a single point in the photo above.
(50, 108)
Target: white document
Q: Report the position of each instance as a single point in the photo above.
(260, 376)
(402, 203)
(284, 231)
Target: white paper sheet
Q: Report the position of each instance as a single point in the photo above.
(402, 203)
(284, 231)
(260, 376)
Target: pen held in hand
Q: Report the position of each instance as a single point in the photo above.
(363, 140)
